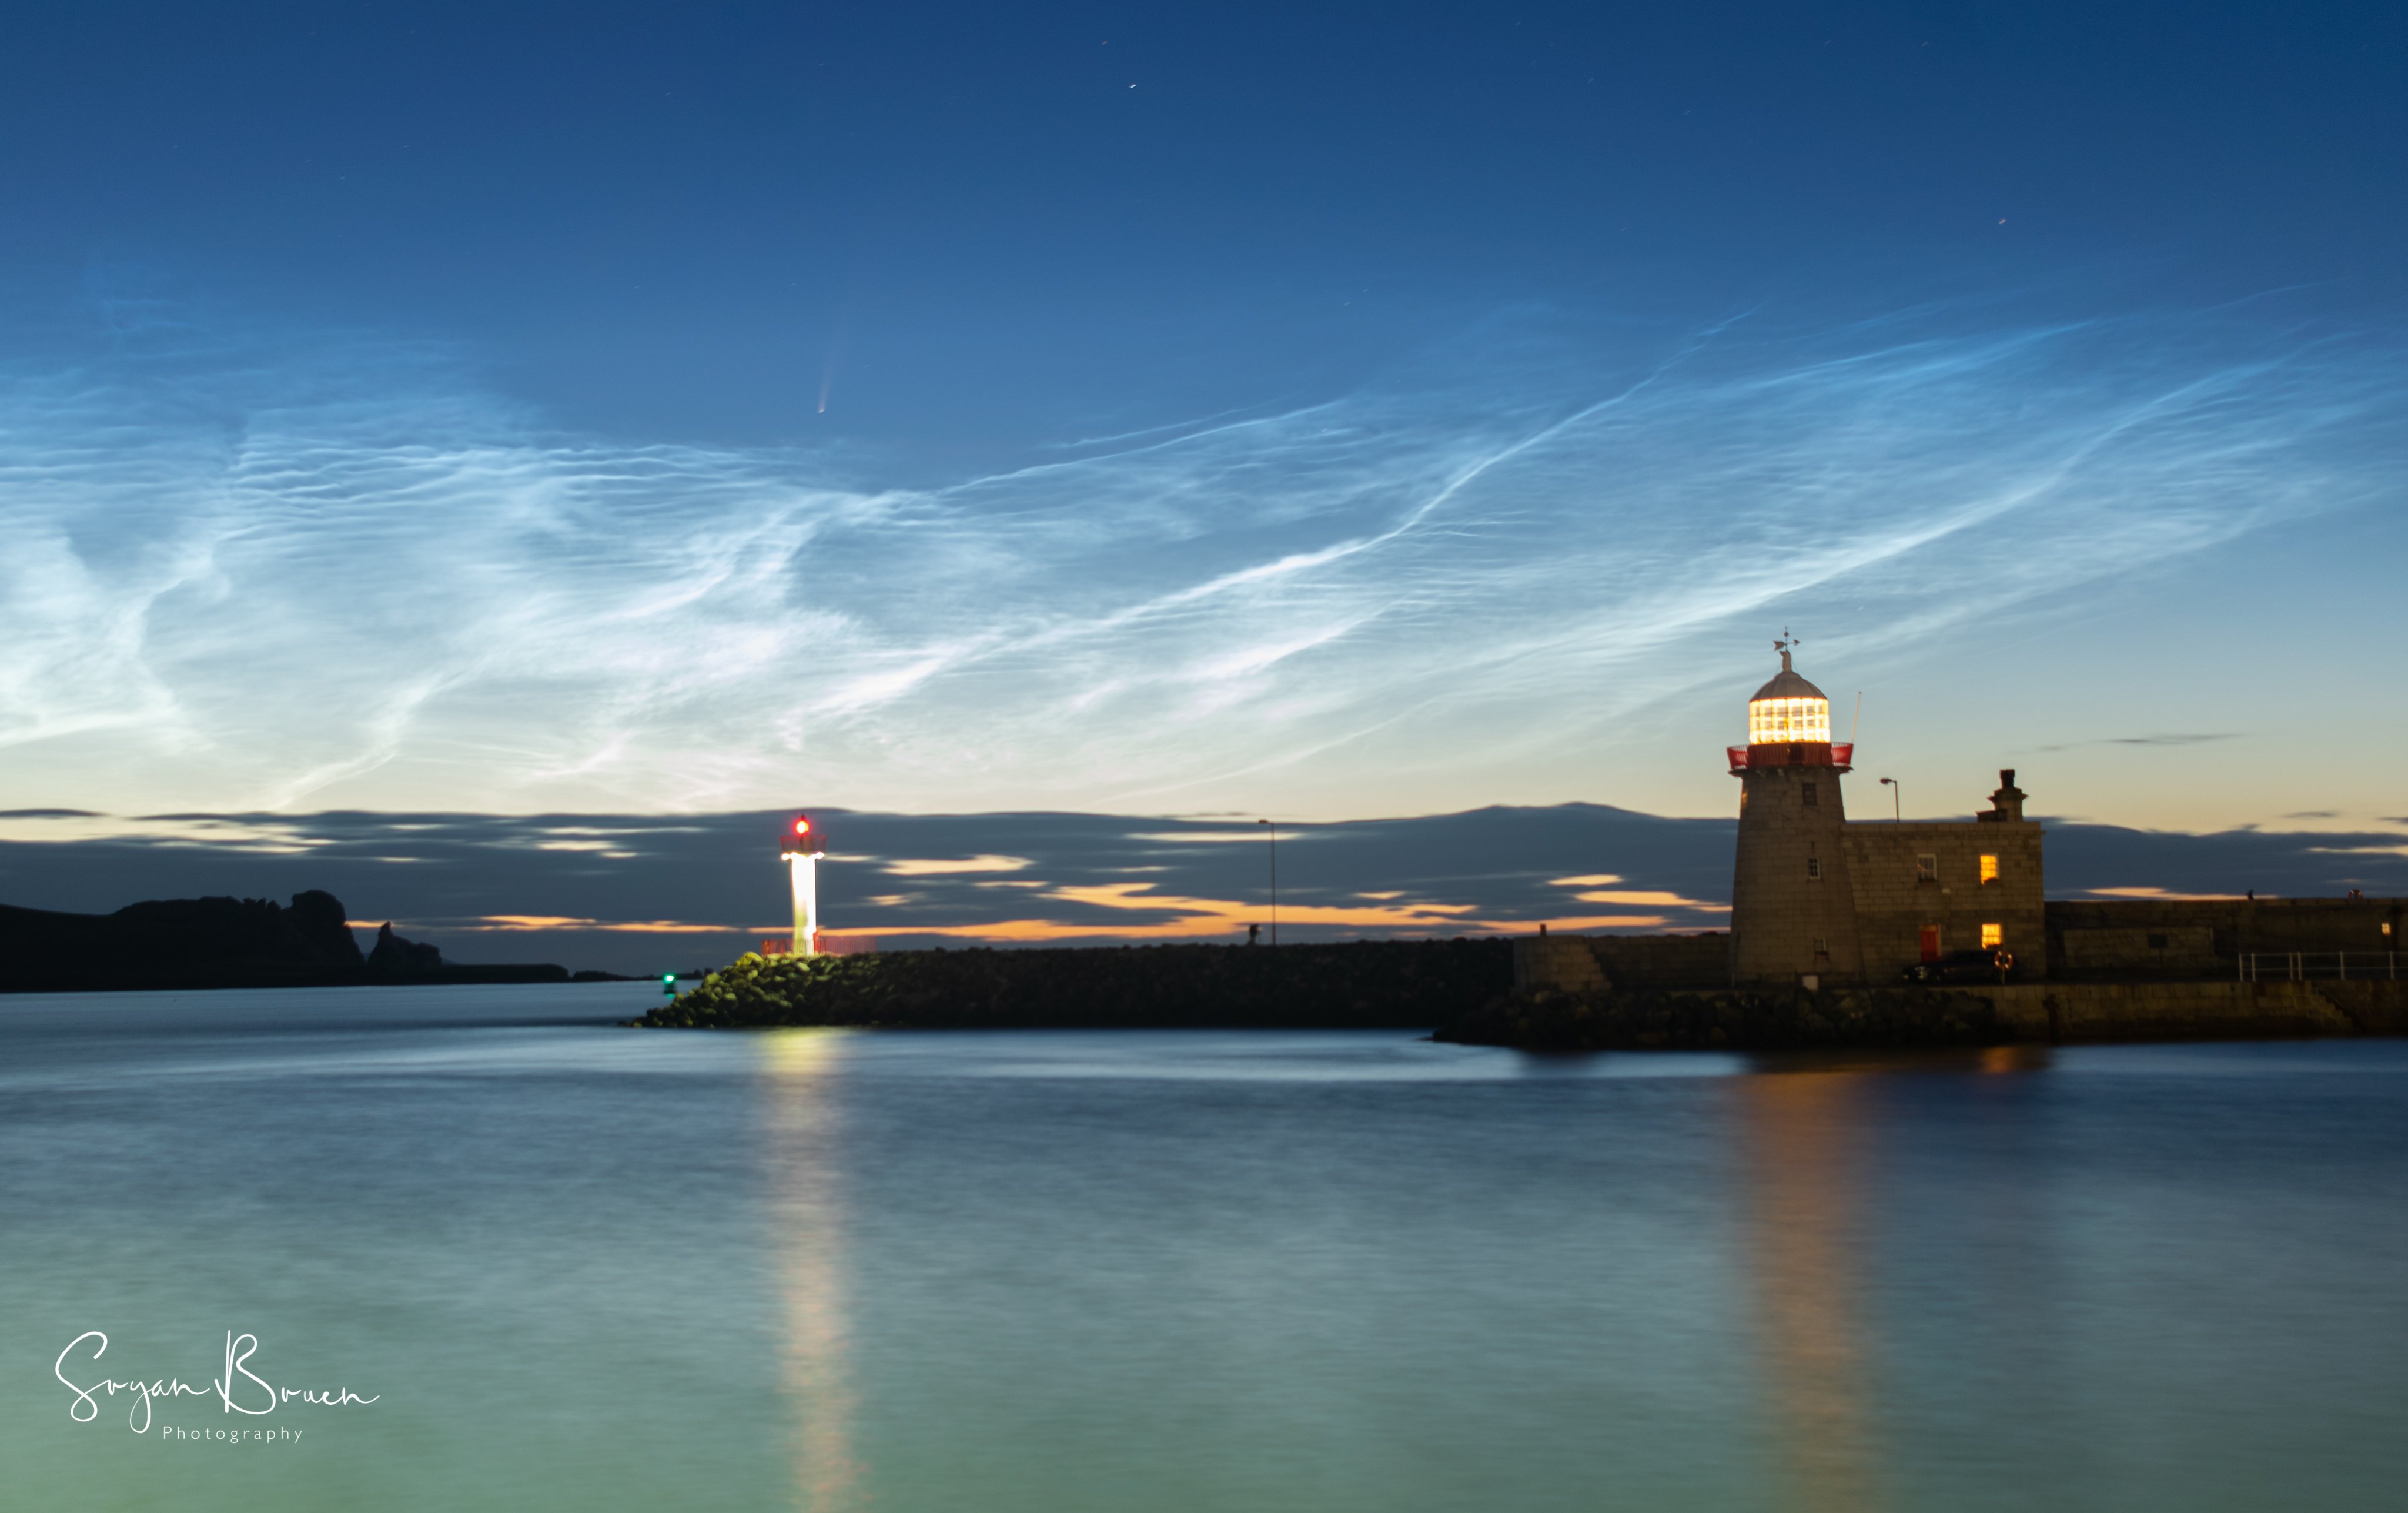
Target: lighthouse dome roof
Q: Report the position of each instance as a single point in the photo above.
(1787, 684)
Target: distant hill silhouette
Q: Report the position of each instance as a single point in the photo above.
(219, 943)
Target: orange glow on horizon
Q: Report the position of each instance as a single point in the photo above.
(1188, 917)
(943, 867)
(1661, 901)
(1217, 926)
(507, 923)
(1236, 913)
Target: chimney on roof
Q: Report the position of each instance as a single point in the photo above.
(2008, 802)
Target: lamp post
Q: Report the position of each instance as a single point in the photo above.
(1896, 810)
(1272, 831)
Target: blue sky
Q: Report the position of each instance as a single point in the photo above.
(1328, 412)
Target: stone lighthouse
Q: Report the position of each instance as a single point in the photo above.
(1793, 907)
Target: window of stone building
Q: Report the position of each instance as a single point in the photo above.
(1989, 868)
(1815, 869)
(1993, 936)
(1822, 947)
(2156, 943)
(1807, 796)
(1926, 867)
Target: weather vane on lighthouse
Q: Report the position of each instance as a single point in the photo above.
(803, 849)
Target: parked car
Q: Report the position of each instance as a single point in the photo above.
(1994, 965)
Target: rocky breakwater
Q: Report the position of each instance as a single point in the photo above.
(1365, 985)
(1555, 1019)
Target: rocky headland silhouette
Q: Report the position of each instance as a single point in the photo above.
(222, 942)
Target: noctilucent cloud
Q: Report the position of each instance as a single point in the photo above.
(1330, 413)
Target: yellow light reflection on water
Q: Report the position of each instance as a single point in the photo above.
(1999, 1060)
(808, 1228)
(1804, 1176)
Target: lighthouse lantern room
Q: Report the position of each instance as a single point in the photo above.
(1789, 724)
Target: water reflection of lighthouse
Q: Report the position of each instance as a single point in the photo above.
(803, 847)
(1801, 1134)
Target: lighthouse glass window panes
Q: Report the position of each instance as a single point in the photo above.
(1772, 720)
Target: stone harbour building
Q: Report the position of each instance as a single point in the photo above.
(1815, 895)
(1829, 914)
(1819, 901)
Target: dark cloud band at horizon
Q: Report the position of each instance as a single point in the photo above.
(624, 892)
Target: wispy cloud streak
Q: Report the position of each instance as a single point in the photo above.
(356, 580)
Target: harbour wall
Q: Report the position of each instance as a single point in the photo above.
(1542, 993)
(1591, 962)
(2207, 937)
(2073, 1012)
(2119, 940)
(1566, 997)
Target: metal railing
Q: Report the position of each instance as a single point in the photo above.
(1844, 755)
(2298, 966)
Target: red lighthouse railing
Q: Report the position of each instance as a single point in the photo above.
(1839, 754)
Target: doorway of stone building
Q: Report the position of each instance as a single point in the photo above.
(1930, 943)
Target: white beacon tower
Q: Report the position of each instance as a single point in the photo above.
(803, 849)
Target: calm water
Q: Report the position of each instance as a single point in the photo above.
(585, 1267)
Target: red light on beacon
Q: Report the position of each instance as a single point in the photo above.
(802, 825)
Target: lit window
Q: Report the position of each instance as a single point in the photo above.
(1814, 867)
(1989, 869)
(1926, 867)
(1993, 936)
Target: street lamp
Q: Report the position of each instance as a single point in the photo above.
(1896, 809)
(1272, 831)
